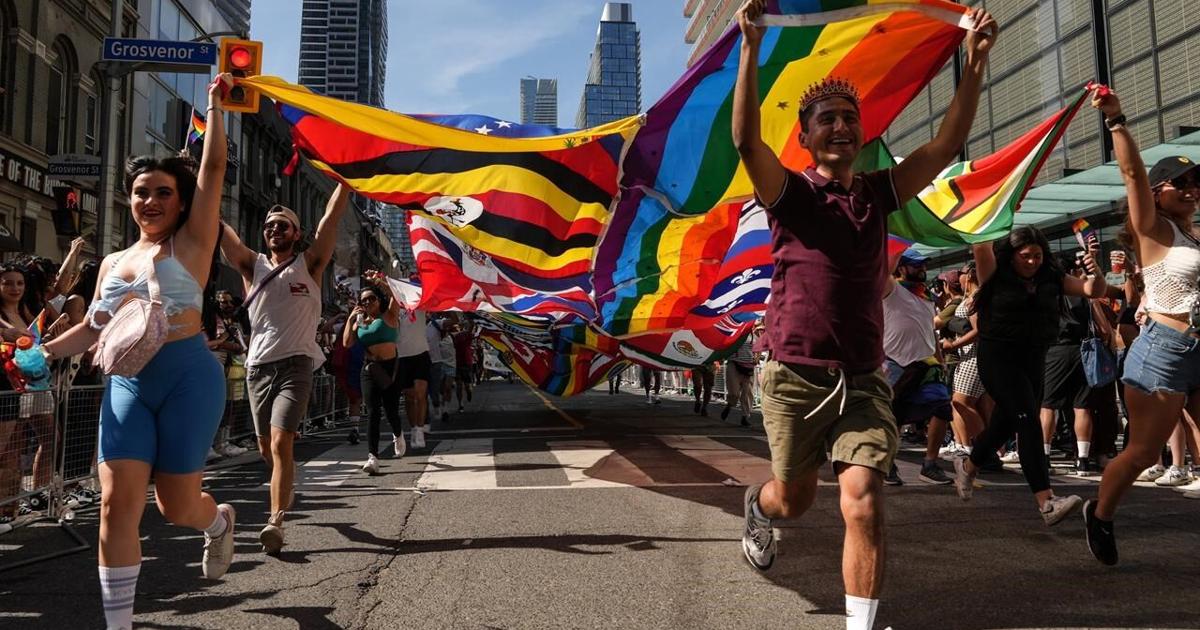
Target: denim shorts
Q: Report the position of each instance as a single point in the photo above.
(1163, 359)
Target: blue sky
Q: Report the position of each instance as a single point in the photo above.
(467, 56)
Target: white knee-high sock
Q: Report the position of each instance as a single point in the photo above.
(860, 613)
(1084, 448)
(118, 586)
(1046, 448)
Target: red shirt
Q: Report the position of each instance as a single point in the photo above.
(829, 246)
(464, 355)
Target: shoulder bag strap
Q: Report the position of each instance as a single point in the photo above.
(152, 279)
(270, 276)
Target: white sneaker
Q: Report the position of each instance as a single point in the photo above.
(372, 465)
(953, 452)
(399, 446)
(1190, 494)
(426, 428)
(212, 455)
(1055, 509)
(218, 552)
(1011, 457)
(418, 438)
(1175, 476)
(232, 450)
(1152, 473)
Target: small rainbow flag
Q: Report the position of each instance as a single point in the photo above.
(38, 327)
(1083, 232)
(196, 129)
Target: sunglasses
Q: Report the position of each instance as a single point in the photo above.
(277, 226)
(1185, 181)
(368, 299)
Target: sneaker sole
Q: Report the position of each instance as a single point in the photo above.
(272, 540)
(746, 545)
(936, 482)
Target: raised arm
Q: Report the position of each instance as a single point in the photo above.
(321, 251)
(985, 261)
(70, 267)
(235, 251)
(1142, 215)
(918, 169)
(766, 172)
(348, 331)
(201, 225)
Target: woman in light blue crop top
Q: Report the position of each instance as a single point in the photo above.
(1161, 375)
(161, 423)
(374, 323)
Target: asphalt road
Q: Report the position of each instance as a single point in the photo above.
(605, 512)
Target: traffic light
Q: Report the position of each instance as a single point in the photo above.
(241, 58)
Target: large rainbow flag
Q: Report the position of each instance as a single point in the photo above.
(681, 168)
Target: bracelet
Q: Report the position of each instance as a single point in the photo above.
(1115, 123)
(211, 108)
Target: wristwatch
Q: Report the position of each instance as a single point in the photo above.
(1114, 123)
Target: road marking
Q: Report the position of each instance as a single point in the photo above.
(549, 405)
(468, 463)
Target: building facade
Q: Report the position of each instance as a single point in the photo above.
(707, 20)
(394, 220)
(539, 101)
(236, 13)
(343, 49)
(50, 89)
(613, 89)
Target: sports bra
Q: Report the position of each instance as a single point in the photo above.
(377, 332)
(176, 286)
(1173, 283)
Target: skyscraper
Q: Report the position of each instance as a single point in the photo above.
(343, 49)
(539, 101)
(614, 83)
(236, 12)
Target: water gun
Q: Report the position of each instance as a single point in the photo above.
(7, 350)
(32, 364)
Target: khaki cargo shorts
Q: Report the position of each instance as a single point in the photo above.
(863, 433)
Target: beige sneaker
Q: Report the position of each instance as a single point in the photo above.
(218, 552)
(271, 536)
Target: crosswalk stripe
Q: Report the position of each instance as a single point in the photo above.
(461, 464)
(733, 463)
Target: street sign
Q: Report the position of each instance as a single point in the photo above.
(77, 167)
(159, 51)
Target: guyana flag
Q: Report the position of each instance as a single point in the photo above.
(973, 201)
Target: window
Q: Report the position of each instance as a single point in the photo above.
(8, 25)
(61, 100)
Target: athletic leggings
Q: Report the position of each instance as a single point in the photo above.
(1012, 375)
(379, 402)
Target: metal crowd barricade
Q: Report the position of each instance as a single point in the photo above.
(32, 456)
(680, 382)
(68, 440)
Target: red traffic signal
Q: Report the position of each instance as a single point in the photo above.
(242, 58)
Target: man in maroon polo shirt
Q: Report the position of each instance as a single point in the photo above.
(823, 390)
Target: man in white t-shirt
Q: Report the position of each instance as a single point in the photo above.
(412, 349)
(913, 365)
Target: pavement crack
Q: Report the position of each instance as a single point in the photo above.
(366, 587)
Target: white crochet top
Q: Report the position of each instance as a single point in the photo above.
(1173, 283)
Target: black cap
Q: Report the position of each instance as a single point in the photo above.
(1169, 168)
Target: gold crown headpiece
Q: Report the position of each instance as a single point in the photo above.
(828, 87)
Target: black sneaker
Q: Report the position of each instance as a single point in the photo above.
(725, 412)
(893, 477)
(932, 473)
(745, 421)
(696, 407)
(758, 538)
(1083, 467)
(992, 465)
(704, 410)
(1100, 537)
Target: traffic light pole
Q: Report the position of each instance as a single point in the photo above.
(108, 142)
